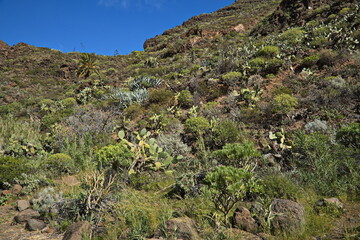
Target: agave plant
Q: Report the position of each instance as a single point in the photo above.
(125, 98)
(144, 82)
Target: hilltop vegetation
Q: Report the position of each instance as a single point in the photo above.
(243, 122)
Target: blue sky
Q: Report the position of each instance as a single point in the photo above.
(100, 26)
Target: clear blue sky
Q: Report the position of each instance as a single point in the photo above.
(100, 26)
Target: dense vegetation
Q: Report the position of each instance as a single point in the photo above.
(209, 118)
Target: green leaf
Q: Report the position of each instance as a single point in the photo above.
(151, 141)
(169, 172)
(272, 136)
(121, 134)
(143, 132)
(158, 165)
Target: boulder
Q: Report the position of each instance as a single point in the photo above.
(266, 236)
(237, 234)
(21, 205)
(16, 189)
(5, 192)
(243, 220)
(77, 230)
(330, 201)
(26, 215)
(288, 216)
(240, 28)
(35, 225)
(70, 181)
(182, 228)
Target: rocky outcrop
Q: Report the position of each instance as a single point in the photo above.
(330, 201)
(77, 231)
(237, 234)
(35, 225)
(21, 205)
(182, 228)
(288, 216)
(26, 215)
(243, 220)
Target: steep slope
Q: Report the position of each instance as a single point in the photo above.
(240, 16)
(215, 122)
(292, 13)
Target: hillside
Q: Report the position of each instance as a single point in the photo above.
(238, 124)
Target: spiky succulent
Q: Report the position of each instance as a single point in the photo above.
(144, 82)
(126, 98)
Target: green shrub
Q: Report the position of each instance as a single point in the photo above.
(282, 89)
(173, 144)
(160, 96)
(228, 185)
(237, 154)
(134, 110)
(140, 214)
(269, 51)
(278, 186)
(258, 62)
(117, 156)
(332, 17)
(47, 103)
(331, 169)
(284, 103)
(226, 132)
(20, 138)
(321, 31)
(329, 209)
(265, 65)
(349, 135)
(272, 66)
(292, 36)
(59, 164)
(232, 77)
(310, 61)
(14, 108)
(197, 125)
(211, 109)
(56, 117)
(344, 11)
(312, 24)
(185, 99)
(10, 168)
(320, 10)
(69, 102)
(327, 57)
(319, 42)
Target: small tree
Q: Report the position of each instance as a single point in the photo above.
(87, 66)
(228, 185)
